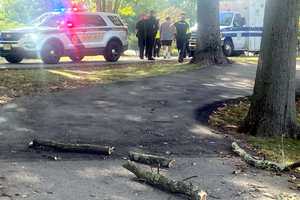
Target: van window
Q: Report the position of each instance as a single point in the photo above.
(226, 19)
(239, 21)
(115, 20)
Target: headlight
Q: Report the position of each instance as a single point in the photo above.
(31, 37)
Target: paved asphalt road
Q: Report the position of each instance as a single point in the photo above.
(156, 115)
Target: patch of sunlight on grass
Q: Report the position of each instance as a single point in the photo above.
(245, 59)
(15, 83)
(65, 74)
(273, 148)
(248, 59)
(114, 74)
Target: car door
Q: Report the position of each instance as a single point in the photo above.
(90, 30)
(241, 38)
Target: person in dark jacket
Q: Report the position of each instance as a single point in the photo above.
(182, 28)
(141, 35)
(152, 27)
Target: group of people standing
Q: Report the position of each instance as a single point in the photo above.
(152, 35)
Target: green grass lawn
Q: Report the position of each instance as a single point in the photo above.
(15, 83)
(248, 59)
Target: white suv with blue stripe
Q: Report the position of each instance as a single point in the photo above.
(73, 34)
(237, 37)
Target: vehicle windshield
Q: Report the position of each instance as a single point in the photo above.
(226, 19)
(41, 19)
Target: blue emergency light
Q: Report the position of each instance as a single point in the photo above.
(73, 7)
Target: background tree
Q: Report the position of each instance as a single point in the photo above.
(209, 50)
(273, 110)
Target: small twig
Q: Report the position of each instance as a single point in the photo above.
(189, 178)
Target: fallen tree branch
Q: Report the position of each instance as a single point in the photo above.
(76, 148)
(164, 183)
(293, 166)
(151, 160)
(263, 164)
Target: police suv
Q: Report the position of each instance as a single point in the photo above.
(241, 29)
(73, 33)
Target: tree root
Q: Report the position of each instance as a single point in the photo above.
(76, 148)
(210, 58)
(263, 164)
(164, 183)
(152, 160)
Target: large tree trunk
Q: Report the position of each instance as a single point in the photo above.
(209, 50)
(273, 111)
(98, 5)
(117, 5)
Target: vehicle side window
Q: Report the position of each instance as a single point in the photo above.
(115, 20)
(53, 21)
(88, 21)
(239, 21)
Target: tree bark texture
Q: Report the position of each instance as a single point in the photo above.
(273, 110)
(164, 183)
(151, 160)
(209, 50)
(75, 148)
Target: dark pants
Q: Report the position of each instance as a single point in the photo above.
(142, 46)
(181, 46)
(157, 48)
(149, 46)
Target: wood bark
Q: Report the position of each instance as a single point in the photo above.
(263, 164)
(164, 183)
(151, 160)
(273, 110)
(103, 6)
(209, 50)
(76, 148)
(98, 5)
(117, 5)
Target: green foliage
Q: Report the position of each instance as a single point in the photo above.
(133, 42)
(24, 11)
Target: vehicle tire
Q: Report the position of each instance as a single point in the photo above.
(77, 58)
(14, 58)
(228, 48)
(51, 53)
(113, 51)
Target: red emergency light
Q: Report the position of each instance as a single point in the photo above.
(78, 7)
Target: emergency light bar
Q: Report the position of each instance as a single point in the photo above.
(74, 7)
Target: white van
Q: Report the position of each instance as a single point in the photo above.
(241, 29)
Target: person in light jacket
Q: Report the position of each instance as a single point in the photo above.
(167, 31)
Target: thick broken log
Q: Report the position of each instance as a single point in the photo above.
(75, 148)
(263, 164)
(293, 166)
(164, 183)
(151, 160)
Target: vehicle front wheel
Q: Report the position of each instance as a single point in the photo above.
(51, 53)
(228, 48)
(113, 51)
(14, 58)
(77, 58)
